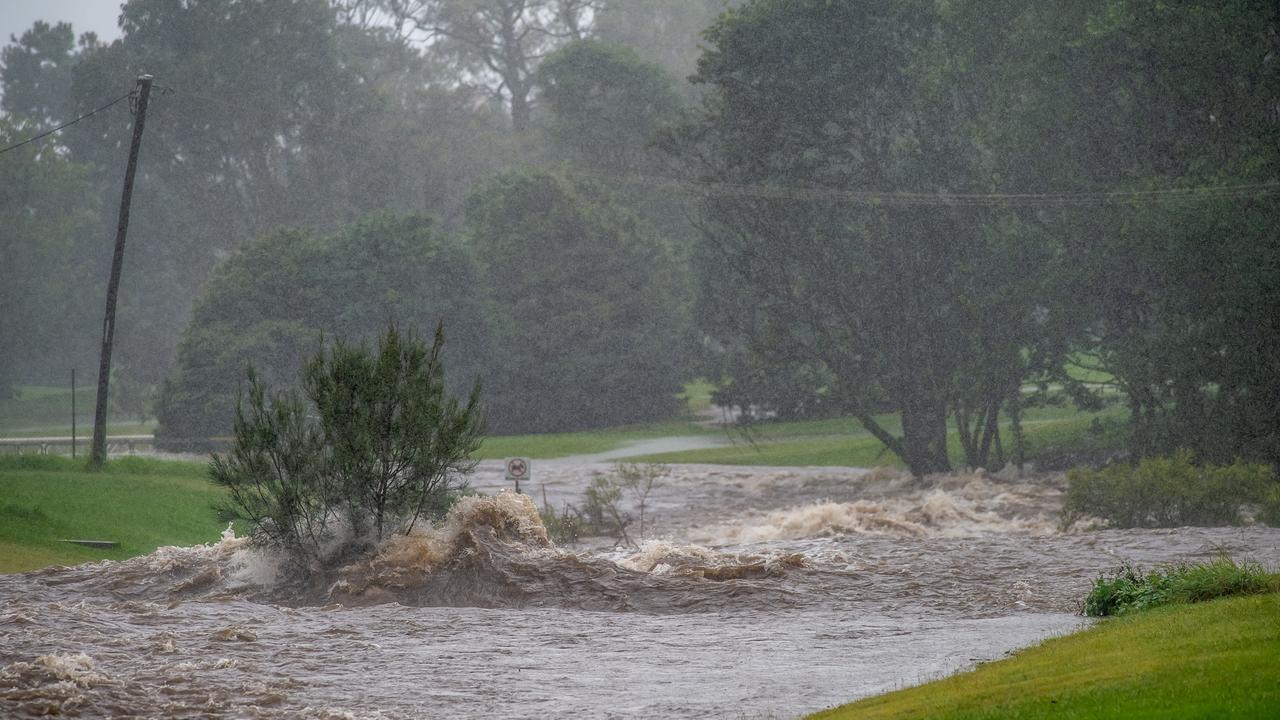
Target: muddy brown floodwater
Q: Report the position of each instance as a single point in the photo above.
(759, 592)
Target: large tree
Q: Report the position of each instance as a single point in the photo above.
(47, 212)
(495, 44)
(606, 105)
(906, 304)
(36, 71)
(585, 323)
(1181, 285)
(269, 304)
(666, 32)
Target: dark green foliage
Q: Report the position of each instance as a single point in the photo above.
(268, 305)
(759, 388)
(666, 32)
(926, 309)
(606, 111)
(387, 446)
(585, 327)
(1180, 295)
(395, 439)
(35, 72)
(277, 476)
(607, 105)
(1129, 590)
(947, 312)
(46, 230)
(1167, 492)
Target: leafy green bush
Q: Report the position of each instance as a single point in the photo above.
(585, 323)
(380, 447)
(1128, 589)
(269, 303)
(1271, 507)
(1167, 492)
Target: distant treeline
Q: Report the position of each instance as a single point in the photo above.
(922, 207)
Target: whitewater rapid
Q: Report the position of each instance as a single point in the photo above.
(758, 592)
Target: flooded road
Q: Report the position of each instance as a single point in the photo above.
(759, 592)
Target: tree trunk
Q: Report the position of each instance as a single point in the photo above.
(924, 435)
(521, 114)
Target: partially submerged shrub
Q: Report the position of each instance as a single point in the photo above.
(382, 447)
(562, 525)
(1129, 590)
(1167, 492)
(600, 512)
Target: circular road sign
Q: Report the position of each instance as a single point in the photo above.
(517, 469)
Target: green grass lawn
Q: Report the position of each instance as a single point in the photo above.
(1052, 433)
(1219, 659)
(140, 503)
(46, 412)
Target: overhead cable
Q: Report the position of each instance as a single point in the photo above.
(65, 125)
(781, 192)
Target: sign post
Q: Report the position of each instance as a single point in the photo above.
(517, 470)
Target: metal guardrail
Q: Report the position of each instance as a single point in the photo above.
(43, 445)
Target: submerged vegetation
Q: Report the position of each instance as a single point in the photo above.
(600, 511)
(1129, 589)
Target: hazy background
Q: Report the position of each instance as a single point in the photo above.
(98, 16)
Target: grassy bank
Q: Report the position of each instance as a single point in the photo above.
(39, 411)
(1218, 659)
(139, 503)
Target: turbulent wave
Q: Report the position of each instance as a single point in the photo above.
(494, 552)
(957, 506)
(491, 552)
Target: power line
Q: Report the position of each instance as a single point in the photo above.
(782, 192)
(65, 125)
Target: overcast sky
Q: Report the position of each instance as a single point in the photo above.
(17, 16)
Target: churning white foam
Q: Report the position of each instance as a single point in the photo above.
(957, 506)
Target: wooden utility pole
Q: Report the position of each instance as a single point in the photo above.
(99, 452)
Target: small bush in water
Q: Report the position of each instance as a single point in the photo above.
(379, 447)
(1128, 589)
(1168, 492)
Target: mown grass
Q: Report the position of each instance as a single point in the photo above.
(1218, 659)
(140, 503)
(40, 411)
(1055, 437)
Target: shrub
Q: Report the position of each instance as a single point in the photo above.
(600, 512)
(268, 304)
(1166, 492)
(384, 448)
(584, 310)
(1128, 589)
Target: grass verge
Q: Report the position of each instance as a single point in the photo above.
(140, 503)
(1218, 659)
